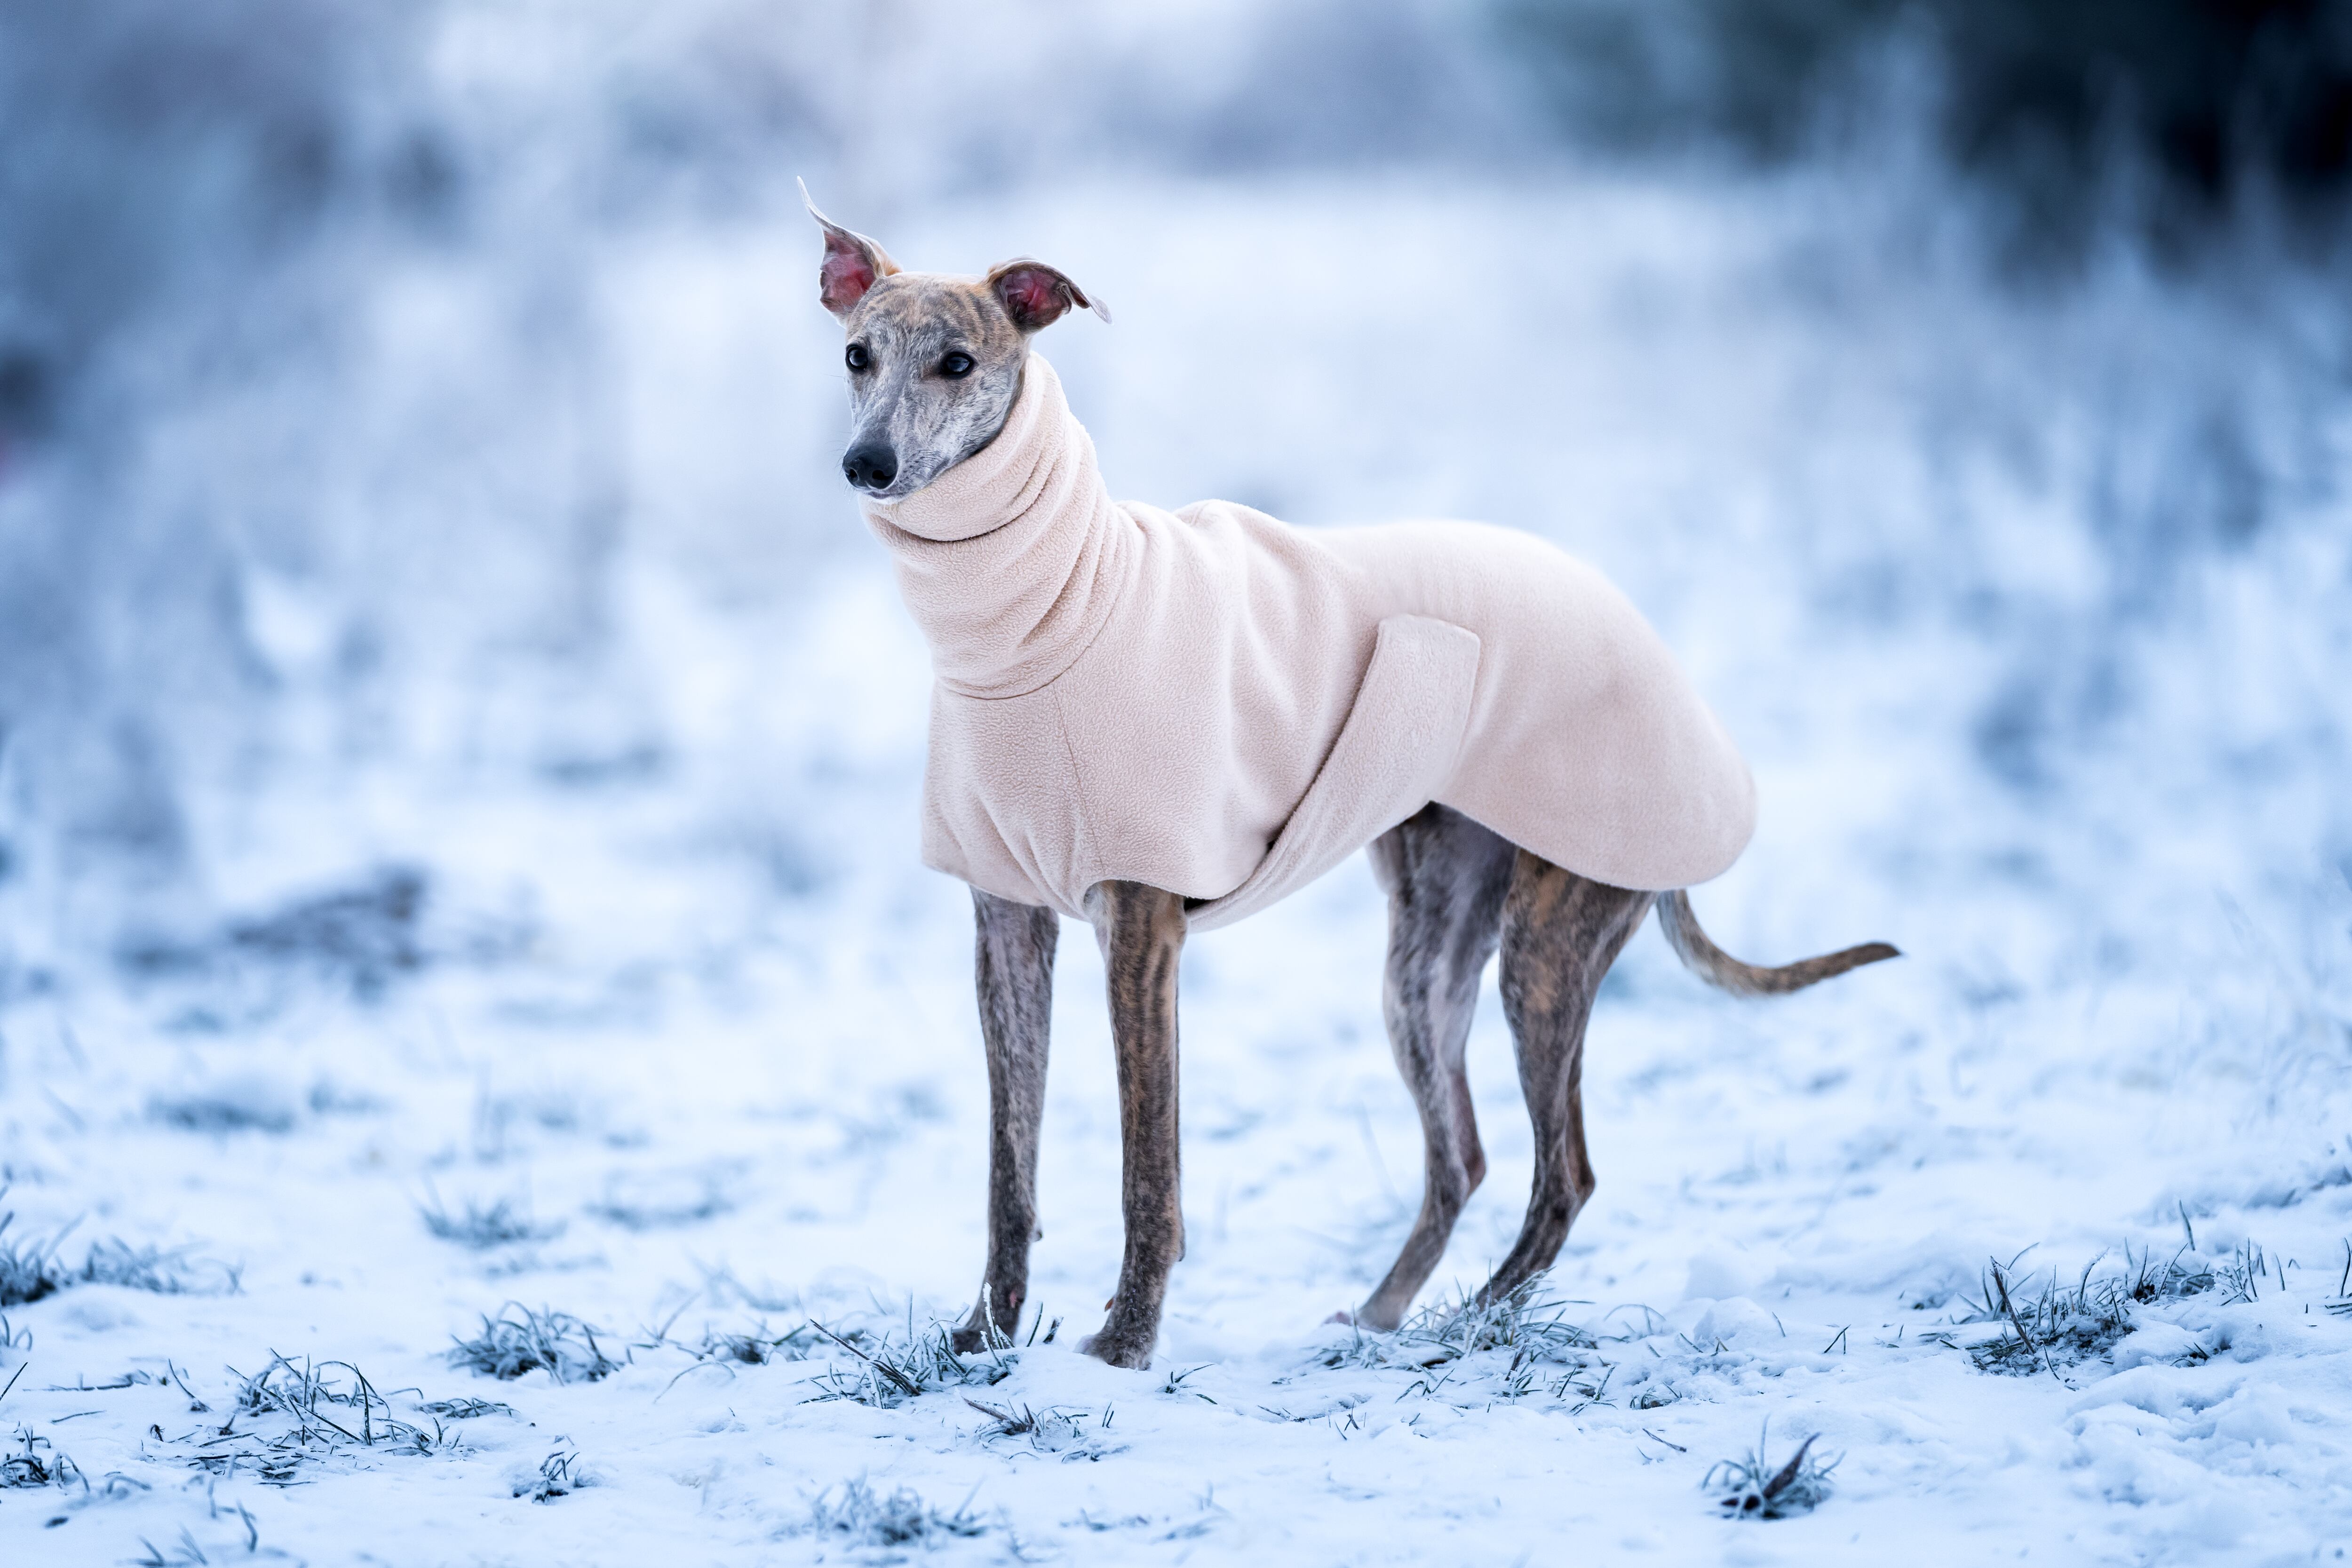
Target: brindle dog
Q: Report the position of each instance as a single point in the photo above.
(935, 364)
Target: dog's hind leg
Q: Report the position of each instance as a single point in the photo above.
(1560, 933)
(1015, 973)
(1445, 877)
(1142, 930)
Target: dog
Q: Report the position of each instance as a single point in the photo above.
(1158, 722)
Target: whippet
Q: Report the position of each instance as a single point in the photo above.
(1421, 702)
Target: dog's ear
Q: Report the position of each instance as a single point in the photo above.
(1035, 295)
(852, 263)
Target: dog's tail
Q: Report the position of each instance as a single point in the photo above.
(1719, 968)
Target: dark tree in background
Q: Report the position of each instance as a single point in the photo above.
(2172, 115)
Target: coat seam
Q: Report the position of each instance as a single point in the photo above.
(1086, 853)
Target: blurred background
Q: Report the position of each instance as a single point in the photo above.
(417, 429)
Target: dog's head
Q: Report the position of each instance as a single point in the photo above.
(934, 360)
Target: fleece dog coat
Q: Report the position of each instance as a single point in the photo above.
(1214, 703)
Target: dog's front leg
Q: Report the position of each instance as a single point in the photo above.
(1142, 934)
(1013, 973)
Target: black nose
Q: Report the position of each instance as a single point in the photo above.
(871, 466)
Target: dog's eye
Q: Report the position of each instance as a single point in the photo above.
(958, 365)
(857, 356)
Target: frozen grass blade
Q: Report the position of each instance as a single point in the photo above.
(662, 1211)
(862, 1518)
(895, 1368)
(727, 1352)
(1530, 1324)
(2054, 1324)
(1069, 1435)
(27, 1465)
(906, 1384)
(1008, 1423)
(2241, 1273)
(559, 1476)
(289, 1415)
(756, 1347)
(482, 1228)
(520, 1340)
(30, 1270)
(1760, 1491)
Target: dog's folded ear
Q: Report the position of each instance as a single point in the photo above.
(852, 262)
(1035, 295)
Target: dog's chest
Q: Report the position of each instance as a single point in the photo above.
(1174, 749)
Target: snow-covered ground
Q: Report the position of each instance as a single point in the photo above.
(2024, 694)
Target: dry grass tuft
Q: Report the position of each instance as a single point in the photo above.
(482, 1228)
(2053, 1324)
(34, 1461)
(520, 1340)
(30, 1270)
(1532, 1326)
(862, 1518)
(892, 1368)
(290, 1414)
(1069, 1435)
(756, 1346)
(559, 1476)
(661, 1206)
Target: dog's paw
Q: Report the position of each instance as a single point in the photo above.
(1119, 1349)
(1343, 1317)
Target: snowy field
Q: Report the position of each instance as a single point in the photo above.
(587, 1015)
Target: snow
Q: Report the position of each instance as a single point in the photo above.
(682, 998)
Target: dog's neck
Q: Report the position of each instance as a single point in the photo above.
(1012, 560)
